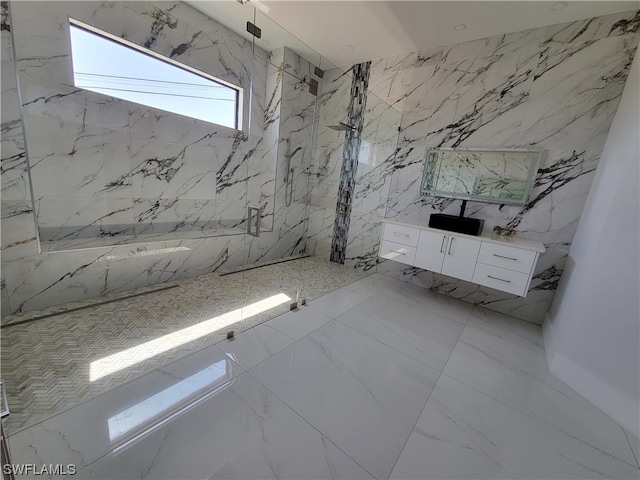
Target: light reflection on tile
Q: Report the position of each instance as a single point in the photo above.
(84, 433)
(126, 330)
(362, 395)
(463, 433)
(257, 344)
(338, 302)
(418, 333)
(344, 398)
(504, 358)
(244, 432)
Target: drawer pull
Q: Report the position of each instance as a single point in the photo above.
(501, 279)
(398, 234)
(398, 252)
(508, 258)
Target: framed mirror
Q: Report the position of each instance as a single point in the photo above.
(484, 175)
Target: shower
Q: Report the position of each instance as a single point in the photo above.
(288, 178)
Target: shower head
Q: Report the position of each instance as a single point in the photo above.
(342, 127)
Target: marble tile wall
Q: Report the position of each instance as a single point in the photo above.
(555, 88)
(289, 130)
(379, 140)
(333, 105)
(123, 168)
(240, 171)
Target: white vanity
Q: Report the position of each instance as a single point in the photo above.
(502, 263)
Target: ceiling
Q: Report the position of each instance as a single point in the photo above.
(377, 29)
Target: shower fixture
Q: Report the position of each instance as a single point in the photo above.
(342, 127)
(288, 178)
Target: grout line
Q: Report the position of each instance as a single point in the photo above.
(429, 396)
(308, 423)
(530, 415)
(160, 367)
(266, 264)
(297, 310)
(248, 371)
(406, 355)
(633, 452)
(224, 354)
(114, 388)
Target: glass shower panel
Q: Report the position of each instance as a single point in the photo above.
(377, 150)
(235, 280)
(294, 81)
(279, 123)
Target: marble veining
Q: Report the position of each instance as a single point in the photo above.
(554, 88)
(463, 433)
(141, 196)
(116, 152)
(305, 395)
(68, 338)
(362, 391)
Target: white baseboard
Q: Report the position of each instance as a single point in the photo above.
(612, 402)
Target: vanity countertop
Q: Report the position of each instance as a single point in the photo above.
(516, 241)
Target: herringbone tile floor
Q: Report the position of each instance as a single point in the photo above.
(46, 362)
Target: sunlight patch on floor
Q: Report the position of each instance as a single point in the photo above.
(131, 356)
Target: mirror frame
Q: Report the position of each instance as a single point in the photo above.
(431, 169)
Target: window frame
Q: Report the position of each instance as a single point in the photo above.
(159, 57)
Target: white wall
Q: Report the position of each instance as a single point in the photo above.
(592, 332)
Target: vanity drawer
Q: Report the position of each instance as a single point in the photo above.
(501, 279)
(397, 252)
(512, 258)
(401, 234)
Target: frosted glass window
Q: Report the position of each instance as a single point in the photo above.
(106, 64)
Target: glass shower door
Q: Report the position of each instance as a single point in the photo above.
(269, 173)
(292, 87)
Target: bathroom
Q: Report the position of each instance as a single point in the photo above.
(101, 198)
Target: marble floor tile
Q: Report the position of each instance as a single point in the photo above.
(377, 282)
(635, 446)
(338, 302)
(417, 332)
(504, 358)
(421, 297)
(70, 337)
(86, 432)
(245, 348)
(362, 395)
(257, 344)
(463, 433)
(307, 395)
(242, 431)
